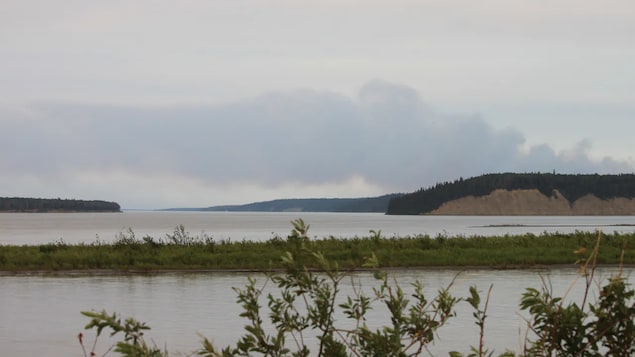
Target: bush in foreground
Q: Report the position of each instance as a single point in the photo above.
(306, 302)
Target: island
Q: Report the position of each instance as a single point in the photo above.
(23, 204)
(528, 194)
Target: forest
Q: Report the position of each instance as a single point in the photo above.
(22, 204)
(366, 204)
(572, 187)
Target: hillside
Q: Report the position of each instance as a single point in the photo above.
(369, 204)
(523, 194)
(22, 204)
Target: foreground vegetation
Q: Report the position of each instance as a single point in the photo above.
(306, 304)
(182, 251)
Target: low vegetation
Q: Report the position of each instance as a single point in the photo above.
(182, 251)
(306, 302)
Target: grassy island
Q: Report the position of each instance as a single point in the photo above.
(181, 251)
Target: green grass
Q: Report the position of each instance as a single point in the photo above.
(194, 253)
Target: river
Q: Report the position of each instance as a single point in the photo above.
(42, 228)
(39, 313)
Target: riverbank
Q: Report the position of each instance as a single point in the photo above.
(129, 254)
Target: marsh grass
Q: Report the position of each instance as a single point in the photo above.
(181, 251)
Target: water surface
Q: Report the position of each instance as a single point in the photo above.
(41, 228)
(40, 314)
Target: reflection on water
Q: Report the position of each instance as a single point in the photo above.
(40, 314)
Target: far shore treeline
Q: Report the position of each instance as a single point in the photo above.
(349, 205)
(22, 204)
(572, 187)
(425, 200)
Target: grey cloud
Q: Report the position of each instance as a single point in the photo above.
(387, 135)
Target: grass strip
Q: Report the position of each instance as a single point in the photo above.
(194, 253)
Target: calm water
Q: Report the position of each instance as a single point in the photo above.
(39, 315)
(38, 228)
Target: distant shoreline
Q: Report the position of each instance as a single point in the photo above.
(54, 205)
(58, 211)
(527, 194)
(555, 225)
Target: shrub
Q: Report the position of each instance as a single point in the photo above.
(305, 304)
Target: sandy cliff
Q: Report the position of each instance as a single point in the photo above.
(533, 202)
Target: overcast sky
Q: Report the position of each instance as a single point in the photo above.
(157, 104)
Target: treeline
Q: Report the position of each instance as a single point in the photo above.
(572, 187)
(21, 204)
(369, 204)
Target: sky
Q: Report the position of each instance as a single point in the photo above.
(194, 103)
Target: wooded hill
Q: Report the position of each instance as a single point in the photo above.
(572, 187)
(21, 204)
(369, 204)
